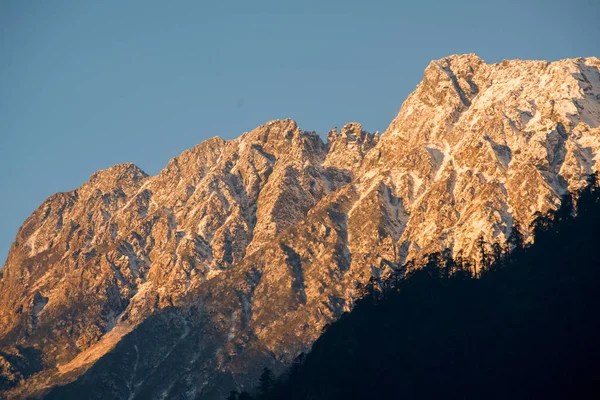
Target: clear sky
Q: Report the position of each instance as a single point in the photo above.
(88, 84)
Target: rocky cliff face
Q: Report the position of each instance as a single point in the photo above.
(238, 253)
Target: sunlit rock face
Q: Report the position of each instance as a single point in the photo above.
(238, 253)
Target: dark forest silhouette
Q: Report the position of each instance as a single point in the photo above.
(525, 326)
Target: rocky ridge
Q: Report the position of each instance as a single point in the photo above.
(238, 253)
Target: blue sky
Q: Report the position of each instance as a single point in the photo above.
(85, 84)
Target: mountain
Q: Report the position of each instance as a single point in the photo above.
(237, 254)
(528, 328)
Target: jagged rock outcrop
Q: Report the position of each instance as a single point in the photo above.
(239, 252)
(346, 149)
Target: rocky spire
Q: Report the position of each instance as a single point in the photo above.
(346, 149)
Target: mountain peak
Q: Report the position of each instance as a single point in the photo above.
(460, 60)
(453, 67)
(285, 122)
(274, 130)
(120, 173)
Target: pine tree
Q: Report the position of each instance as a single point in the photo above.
(498, 256)
(516, 241)
(484, 258)
(266, 381)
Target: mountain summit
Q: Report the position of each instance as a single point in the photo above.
(238, 253)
